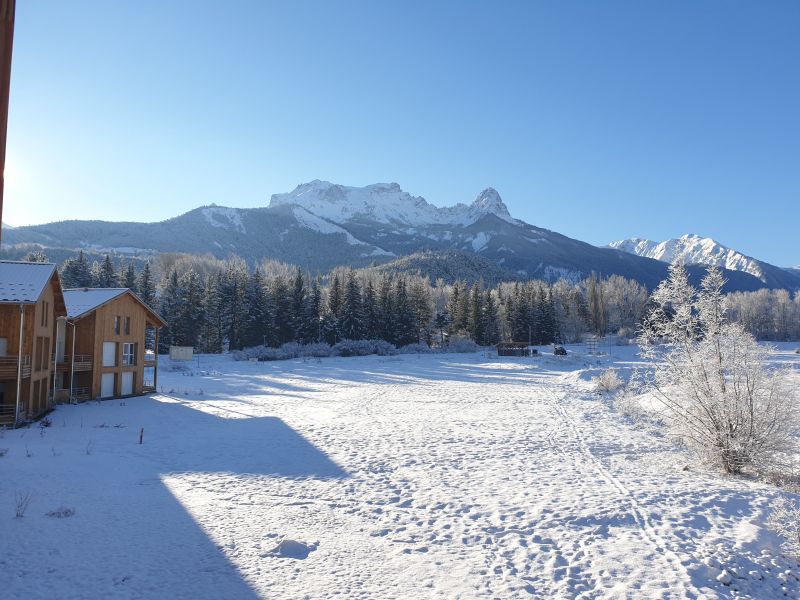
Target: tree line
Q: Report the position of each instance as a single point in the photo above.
(215, 305)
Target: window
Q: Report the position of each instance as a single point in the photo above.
(109, 354)
(45, 313)
(127, 325)
(128, 354)
(116, 325)
(46, 353)
(37, 361)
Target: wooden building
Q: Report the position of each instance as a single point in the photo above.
(108, 348)
(31, 302)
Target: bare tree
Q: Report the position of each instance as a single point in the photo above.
(712, 379)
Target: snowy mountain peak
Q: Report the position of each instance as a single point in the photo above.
(386, 203)
(489, 202)
(691, 249)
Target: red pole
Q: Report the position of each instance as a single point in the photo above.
(7, 11)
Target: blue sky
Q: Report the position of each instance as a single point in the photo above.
(600, 120)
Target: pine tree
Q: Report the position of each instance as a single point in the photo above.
(129, 278)
(233, 296)
(371, 318)
(282, 303)
(335, 296)
(189, 311)
(404, 330)
(105, 275)
(170, 309)
(300, 326)
(212, 331)
(420, 299)
(146, 287)
(75, 273)
(490, 322)
(259, 326)
(384, 312)
(352, 311)
(36, 256)
(313, 316)
(475, 322)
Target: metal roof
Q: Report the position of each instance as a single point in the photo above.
(23, 282)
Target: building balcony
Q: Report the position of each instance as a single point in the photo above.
(83, 362)
(9, 367)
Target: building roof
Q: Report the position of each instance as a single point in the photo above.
(23, 282)
(81, 301)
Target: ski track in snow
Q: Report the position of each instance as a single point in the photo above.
(388, 477)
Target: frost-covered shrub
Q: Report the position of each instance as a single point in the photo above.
(797, 351)
(363, 348)
(317, 350)
(461, 345)
(248, 353)
(712, 379)
(417, 348)
(292, 350)
(785, 521)
(608, 381)
(270, 354)
(383, 348)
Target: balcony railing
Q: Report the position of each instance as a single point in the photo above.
(7, 414)
(83, 362)
(9, 366)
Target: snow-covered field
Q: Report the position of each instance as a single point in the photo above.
(440, 476)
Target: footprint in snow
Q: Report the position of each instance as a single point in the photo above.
(291, 549)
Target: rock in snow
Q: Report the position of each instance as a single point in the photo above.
(292, 549)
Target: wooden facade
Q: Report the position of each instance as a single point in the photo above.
(7, 10)
(109, 357)
(26, 369)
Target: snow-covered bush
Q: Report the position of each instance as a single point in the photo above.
(418, 348)
(292, 350)
(383, 348)
(461, 345)
(608, 381)
(785, 521)
(363, 348)
(711, 378)
(317, 350)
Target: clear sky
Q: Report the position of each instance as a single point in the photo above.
(599, 120)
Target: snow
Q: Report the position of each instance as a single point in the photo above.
(480, 241)
(691, 249)
(225, 217)
(82, 300)
(311, 221)
(386, 203)
(23, 282)
(431, 476)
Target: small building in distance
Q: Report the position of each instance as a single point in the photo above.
(31, 302)
(513, 349)
(109, 345)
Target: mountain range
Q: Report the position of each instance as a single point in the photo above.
(693, 249)
(320, 225)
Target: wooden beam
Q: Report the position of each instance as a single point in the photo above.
(7, 11)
